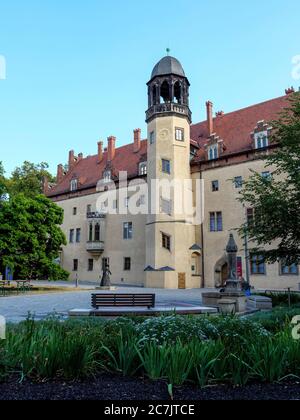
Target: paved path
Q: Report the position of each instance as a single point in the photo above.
(16, 308)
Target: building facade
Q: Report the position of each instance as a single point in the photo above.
(130, 206)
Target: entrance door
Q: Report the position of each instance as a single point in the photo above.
(225, 274)
(181, 281)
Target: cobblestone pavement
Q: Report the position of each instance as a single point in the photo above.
(16, 308)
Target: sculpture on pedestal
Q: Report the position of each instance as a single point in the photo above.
(232, 284)
(105, 281)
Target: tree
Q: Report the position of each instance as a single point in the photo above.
(31, 237)
(3, 189)
(28, 179)
(275, 199)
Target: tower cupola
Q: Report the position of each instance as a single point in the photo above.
(168, 90)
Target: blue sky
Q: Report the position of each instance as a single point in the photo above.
(76, 70)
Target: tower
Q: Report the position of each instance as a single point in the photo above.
(169, 237)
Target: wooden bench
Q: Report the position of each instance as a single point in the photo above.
(100, 300)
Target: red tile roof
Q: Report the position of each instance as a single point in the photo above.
(89, 171)
(234, 129)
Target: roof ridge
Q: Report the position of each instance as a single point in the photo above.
(244, 109)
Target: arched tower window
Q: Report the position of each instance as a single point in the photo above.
(177, 93)
(97, 232)
(154, 95)
(165, 92)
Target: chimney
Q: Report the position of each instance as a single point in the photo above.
(111, 148)
(80, 156)
(210, 121)
(289, 90)
(100, 151)
(137, 140)
(71, 159)
(60, 173)
(45, 185)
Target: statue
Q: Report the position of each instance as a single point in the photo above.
(105, 281)
(232, 283)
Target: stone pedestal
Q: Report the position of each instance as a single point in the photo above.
(260, 303)
(227, 306)
(214, 299)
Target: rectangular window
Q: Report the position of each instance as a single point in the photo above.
(91, 265)
(216, 221)
(78, 235)
(166, 166)
(74, 211)
(71, 236)
(238, 182)
(126, 202)
(258, 266)
(75, 265)
(152, 137)
(89, 208)
(166, 206)
(179, 134)
(166, 241)
(250, 216)
(127, 264)
(288, 270)
(127, 230)
(215, 186)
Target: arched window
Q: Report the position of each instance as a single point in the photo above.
(154, 96)
(74, 185)
(165, 92)
(143, 168)
(213, 153)
(97, 232)
(177, 93)
(91, 232)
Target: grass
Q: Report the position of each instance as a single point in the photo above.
(201, 351)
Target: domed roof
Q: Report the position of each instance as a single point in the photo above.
(168, 65)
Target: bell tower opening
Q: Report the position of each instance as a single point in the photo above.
(177, 93)
(165, 92)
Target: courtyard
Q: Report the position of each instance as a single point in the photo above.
(16, 308)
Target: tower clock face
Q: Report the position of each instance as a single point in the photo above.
(164, 134)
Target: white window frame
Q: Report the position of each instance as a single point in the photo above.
(179, 134)
(143, 168)
(213, 152)
(74, 185)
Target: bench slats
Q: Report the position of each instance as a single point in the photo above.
(123, 300)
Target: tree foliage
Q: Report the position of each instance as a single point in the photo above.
(3, 182)
(31, 237)
(28, 179)
(275, 230)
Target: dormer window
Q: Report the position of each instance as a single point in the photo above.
(213, 152)
(143, 169)
(107, 176)
(261, 140)
(74, 185)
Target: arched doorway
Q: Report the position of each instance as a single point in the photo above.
(221, 272)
